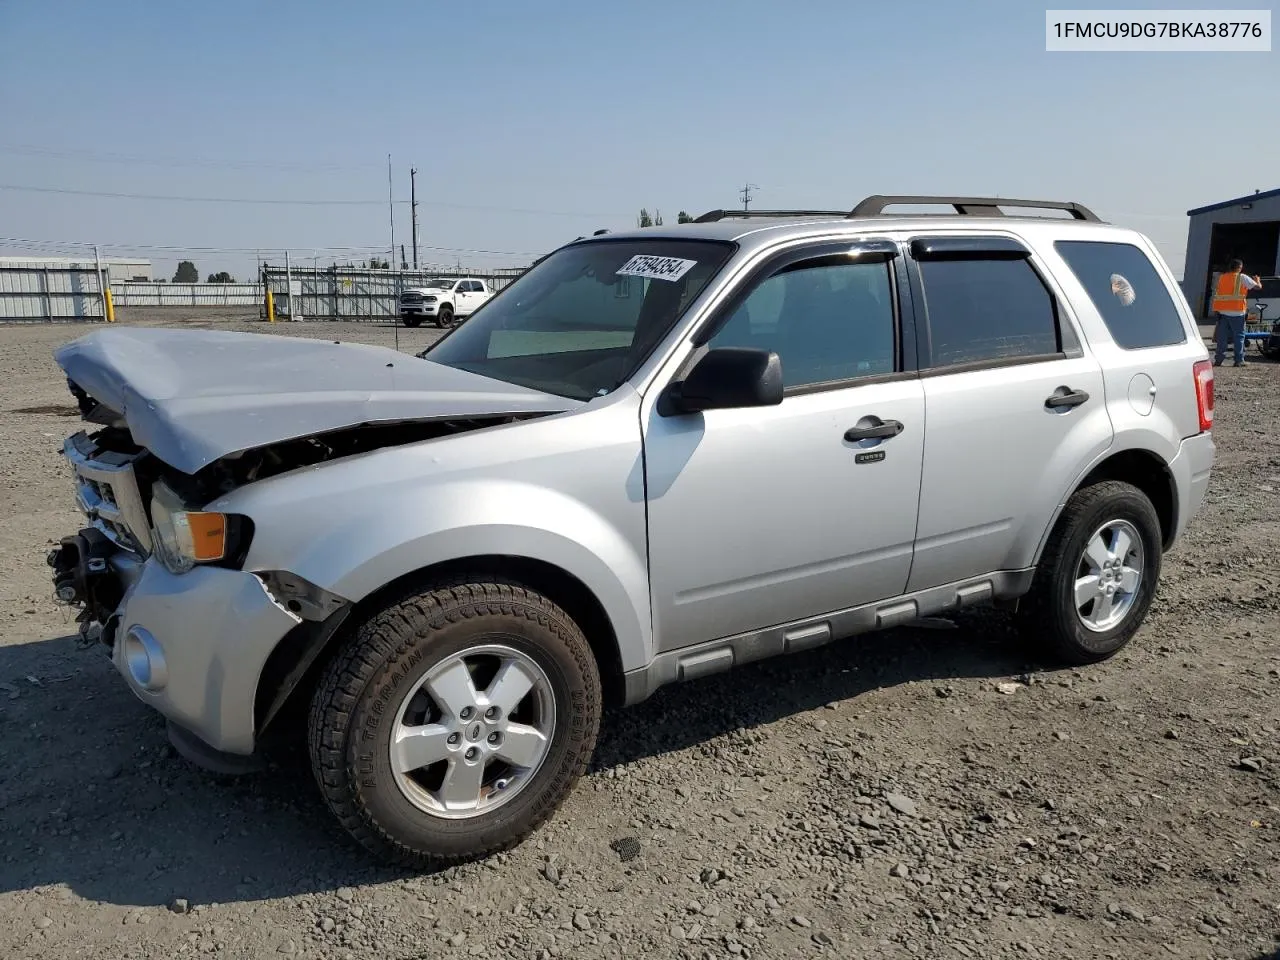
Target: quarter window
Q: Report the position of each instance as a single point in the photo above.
(826, 322)
(987, 309)
(1126, 290)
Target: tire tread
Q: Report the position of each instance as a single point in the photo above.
(371, 652)
(1037, 610)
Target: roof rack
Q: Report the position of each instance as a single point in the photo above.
(711, 216)
(971, 206)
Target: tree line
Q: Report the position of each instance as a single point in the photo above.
(187, 273)
(645, 220)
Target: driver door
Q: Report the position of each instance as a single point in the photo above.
(763, 516)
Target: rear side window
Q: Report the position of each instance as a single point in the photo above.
(1126, 290)
(983, 310)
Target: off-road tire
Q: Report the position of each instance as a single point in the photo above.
(1048, 616)
(445, 318)
(412, 321)
(353, 712)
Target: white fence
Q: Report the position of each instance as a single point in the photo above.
(52, 291)
(141, 294)
(73, 292)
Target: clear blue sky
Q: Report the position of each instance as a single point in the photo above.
(530, 124)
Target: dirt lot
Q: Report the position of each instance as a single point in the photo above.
(922, 793)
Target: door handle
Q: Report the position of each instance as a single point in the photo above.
(881, 431)
(1065, 397)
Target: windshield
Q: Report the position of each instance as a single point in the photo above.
(581, 321)
(439, 284)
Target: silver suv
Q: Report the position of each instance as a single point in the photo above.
(656, 455)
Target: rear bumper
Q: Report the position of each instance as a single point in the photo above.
(1191, 469)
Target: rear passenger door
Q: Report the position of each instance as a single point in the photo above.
(466, 301)
(1013, 405)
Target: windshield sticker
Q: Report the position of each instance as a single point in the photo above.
(1123, 290)
(656, 268)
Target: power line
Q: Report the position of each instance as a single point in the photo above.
(295, 202)
(156, 196)
(95, 156)
(263, 248)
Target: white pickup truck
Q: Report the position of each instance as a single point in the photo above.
(443, 301)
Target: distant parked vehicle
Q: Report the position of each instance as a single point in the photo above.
(444, 301)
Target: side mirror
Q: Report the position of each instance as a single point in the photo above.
(727, 378)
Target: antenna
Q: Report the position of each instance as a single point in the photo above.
(395, 286)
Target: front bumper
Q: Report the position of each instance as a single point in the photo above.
(193, 646)
(418, 309)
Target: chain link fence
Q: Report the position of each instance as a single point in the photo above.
(344, 293)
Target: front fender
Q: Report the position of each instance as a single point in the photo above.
(570, 498)
(359, 555)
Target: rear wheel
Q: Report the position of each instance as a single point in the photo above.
(455, 721)
(1097, 576)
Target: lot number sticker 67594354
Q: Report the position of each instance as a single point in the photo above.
(657, 268)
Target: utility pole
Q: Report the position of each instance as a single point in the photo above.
(288, 282)
(391, 208)
(745, 193)
(413, 211)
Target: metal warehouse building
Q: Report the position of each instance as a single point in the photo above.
(60, 288)
(1247, 228)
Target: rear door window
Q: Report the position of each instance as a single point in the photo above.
(982, 310)
(1126, 290)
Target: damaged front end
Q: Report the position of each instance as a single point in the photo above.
(91, 574)
(93, 569)
(165, 586)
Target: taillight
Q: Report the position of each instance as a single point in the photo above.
(1203, 373)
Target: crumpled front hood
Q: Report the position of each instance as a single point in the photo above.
(193, 396)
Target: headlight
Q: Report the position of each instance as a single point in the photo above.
(184, 538)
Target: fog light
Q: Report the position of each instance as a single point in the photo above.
(145, 659)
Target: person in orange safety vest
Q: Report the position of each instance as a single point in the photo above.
(1230, 307)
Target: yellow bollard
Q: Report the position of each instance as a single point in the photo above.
(111, 309)
(271, 307)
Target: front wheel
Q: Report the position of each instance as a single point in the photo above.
(455, 722)
(1097, 576)
(412, 321)
(446, 317)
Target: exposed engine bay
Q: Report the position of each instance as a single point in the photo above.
(236, 470)
(116, 479)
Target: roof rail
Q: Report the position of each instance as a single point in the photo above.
(971, 206)
(711, 216)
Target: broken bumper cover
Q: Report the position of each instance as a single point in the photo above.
(1191, 469)
(193, 646)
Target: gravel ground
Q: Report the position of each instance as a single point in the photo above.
(920, 793)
